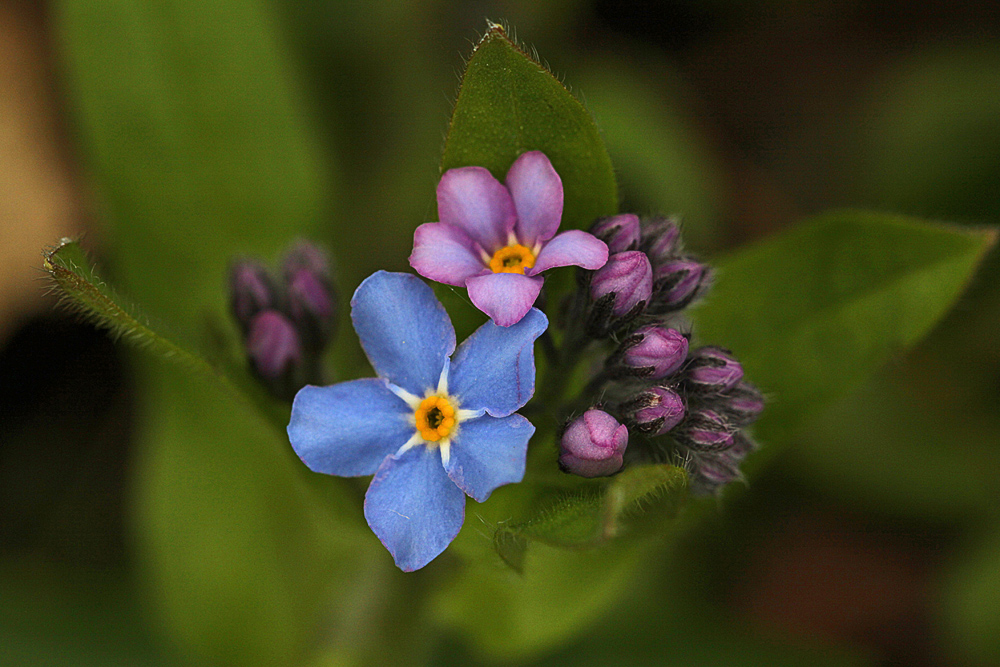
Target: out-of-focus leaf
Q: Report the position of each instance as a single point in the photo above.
(663, 165)
(189, 119)
(510, 616)
(509, 104)
(971, 610)
(244, 554)
(813, 311)
(592, 514)
(57, 615)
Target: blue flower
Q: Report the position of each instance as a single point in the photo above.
(432, 427)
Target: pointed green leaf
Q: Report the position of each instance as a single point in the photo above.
(83, 290)
(813, 311)
(509, 104)
(594, 513)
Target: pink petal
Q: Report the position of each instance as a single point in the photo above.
(538, 197)
(505, 297)
(572, 248)
(445, 253)
(470, 198)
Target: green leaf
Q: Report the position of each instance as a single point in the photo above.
(509, 616)
(83, 290)
(662, 162)
(813, 311)
(189, 120)
(594, 513)
(244, 548)
(192, 128)
(971, 602)
(509, 104)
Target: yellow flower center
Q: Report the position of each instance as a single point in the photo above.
(435, 417)
(514, 258)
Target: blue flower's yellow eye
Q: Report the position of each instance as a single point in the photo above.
(514, 258)
(435, 417)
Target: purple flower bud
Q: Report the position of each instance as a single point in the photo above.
(710, 471)
(627, 275)
(706, 431)
(661, 349)
(273, 346)
(619, 232)
(306, 256)
(742, 404)
(679, 282)
(312, 307)
(713, 369)
(662, 409)
(661, 239)
(593, 445)
(251, 290)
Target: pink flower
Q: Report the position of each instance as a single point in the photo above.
(495, 239)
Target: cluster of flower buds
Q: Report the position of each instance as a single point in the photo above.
(677, 402)
(286, 321)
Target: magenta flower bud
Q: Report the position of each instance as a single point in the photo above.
(660, 349)
(713, 369)
(742, 404)
(661, 240)
(629, 277)
(251, 290)
(710, 471)
(593, 445)
(679, 282)
(662, 410)
(706, 431)
(312, 307)
(619, 232)
(306, 256)
(273, 346)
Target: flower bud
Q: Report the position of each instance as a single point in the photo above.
(710, 471)
(661, 350)
(713, 369)
(629, 277)
(312, 306)
(679, 282)
(661, 240)
(306, 256)
(593, 445)
(742, 404)
(619, 232)
(706, 431)
(661, 410)
(251, 290)
(273, 347)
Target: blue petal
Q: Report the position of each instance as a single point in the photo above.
(488, 453)
(413, 507)
(494, 368)
(403, 328)
(348, 429)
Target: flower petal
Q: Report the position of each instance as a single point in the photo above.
(572, 248)
(537, 192)
(505, 297)
(445, 253)
(348, 429)
(403, 328)
(413, 507)
(488, 453)
(470, 198)
(494, 368)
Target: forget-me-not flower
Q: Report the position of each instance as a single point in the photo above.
(432, 427)
(495, 239)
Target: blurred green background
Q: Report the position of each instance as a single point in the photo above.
(873, 540)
